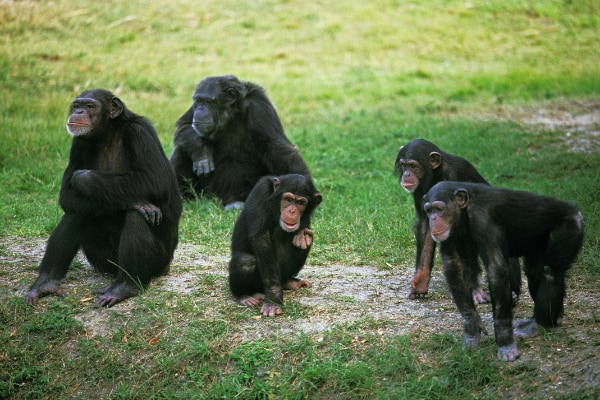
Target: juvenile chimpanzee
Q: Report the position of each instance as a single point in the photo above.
(229, 138)
(271, 240)
(420, 165)
(503, 223)
(120, 200)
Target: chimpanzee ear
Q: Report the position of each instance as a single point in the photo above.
(276, 182)
(317, 198)
(461, 197)
(435, 159)
(116, 107)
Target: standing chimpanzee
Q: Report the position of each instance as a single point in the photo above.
(120, 198)
(271, 240)
(420, 165)
(228, 139)
(503, 223)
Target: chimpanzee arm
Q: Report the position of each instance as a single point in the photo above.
(266, 261)
(281, 156)
(71, 200)
(198, 150)
(425, 251)
(138, 179)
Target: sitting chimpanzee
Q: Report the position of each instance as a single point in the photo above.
(271, 240)
(229, 138)
(120, 198)
(420, 165)
(470, 219)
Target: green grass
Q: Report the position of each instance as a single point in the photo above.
(352, 81)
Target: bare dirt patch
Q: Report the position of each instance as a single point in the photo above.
(344, 294)
(578, 119)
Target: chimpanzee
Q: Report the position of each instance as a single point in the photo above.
(420, 165)
(120, 199)
(229, 138)
(503, 223)
(271, 240)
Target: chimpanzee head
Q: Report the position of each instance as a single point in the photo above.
(297, 197)
(216, 100)
(415, 164)
(444, 206)
(92, 111)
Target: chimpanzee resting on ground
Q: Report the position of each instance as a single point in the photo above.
(229, 138)
(271, 240)
(420, 165)
(503, 223)
(120, 198)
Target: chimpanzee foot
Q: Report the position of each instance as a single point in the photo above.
(295, 283)
(113, 294)
(525, 328)
(234, 205)
(480, 296)
(472, 342)
(251, 301)
(43, 289)
(509, 352)
(270, 310)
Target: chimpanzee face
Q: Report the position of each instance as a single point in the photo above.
(91, 111)
(214, 105)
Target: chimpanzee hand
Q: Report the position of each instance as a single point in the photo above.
(151, 213)
(303, 239)
(79, 178)
(204, 164)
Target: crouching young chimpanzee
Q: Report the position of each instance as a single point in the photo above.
(470, 220)
(271, 240)
(120, 198)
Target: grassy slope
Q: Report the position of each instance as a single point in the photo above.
(352, 81)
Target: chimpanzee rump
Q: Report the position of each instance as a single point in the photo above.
(503, 223)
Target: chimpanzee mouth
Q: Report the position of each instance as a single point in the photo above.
(409, 187)
(202, 130)
(76, 129)
(288, 227)
(440, 236)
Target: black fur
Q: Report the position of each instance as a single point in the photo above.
(120, 200)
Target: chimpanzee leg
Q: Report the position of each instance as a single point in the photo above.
(140, 257)
(60, 251)
(546, 276)
(462, 275)
(515, 279)
(244, 280)
(499, 278)
(564, 243)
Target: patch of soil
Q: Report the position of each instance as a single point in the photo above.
(344, 294)
(578, 119)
